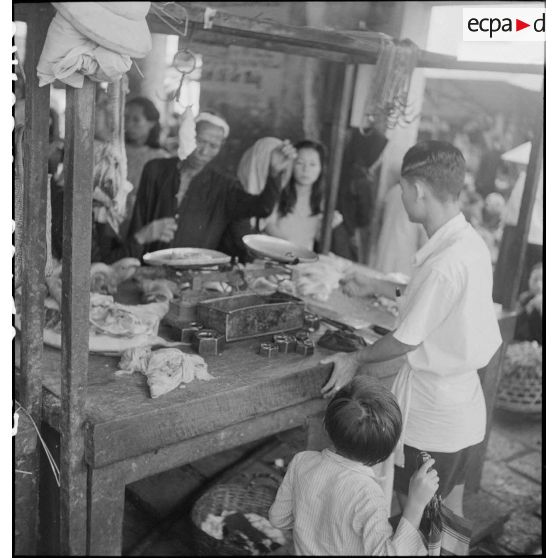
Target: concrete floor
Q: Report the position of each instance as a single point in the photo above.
(511, 483)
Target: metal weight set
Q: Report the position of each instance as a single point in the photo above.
(305, 347)
(208, 342)
(268, 350)
(283, 343)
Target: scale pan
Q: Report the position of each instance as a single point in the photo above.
(278, 249)
(183, 258)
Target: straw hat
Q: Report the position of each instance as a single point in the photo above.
(118, 26)
(519, 154)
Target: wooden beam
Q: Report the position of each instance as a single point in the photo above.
(338, 46)
(337, 148)
(208, 37)
(76, 255)
(33, 246)
(431, 61)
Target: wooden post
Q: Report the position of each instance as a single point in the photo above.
(35, 158)
(516, 259)
(337, 149)
(76, 256)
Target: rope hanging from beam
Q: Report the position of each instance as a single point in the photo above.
(387, 103)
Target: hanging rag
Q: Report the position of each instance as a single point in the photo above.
(186, 134)
(94, 39)
(253, 168)
(110, 183)
(445, 532)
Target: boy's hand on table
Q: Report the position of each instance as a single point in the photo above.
(345, 366)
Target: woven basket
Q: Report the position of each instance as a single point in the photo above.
(521, 389)
(241, 497)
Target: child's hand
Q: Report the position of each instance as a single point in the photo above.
(345, 366)
(423, 485)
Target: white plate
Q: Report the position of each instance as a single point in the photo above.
(186, 257)
(278, 249)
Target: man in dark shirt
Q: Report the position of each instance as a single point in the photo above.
(188, 204)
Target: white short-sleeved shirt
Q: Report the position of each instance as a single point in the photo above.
(447, 310)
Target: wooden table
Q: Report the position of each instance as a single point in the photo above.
(129, 436)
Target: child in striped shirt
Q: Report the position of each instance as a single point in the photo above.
(331, 499)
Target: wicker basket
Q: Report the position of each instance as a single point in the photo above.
(520, 388)
(242, 497)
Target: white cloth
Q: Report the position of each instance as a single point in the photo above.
(335, 506)
(511, 214)
(186, 134)
(68, 55)
(447, 310)
(253, 169)
(215, 120)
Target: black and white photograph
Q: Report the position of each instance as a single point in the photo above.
(277, 278)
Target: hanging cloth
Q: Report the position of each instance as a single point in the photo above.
(94, 39)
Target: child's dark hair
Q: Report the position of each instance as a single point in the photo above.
(440, 164)
(363, 421)
(287, 199)
(152, 115)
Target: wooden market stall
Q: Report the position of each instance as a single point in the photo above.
(110, 433)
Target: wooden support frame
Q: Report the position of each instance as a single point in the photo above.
(76, 256)
(339, 131)
(33, 271)
(511, 263)
(534, 170)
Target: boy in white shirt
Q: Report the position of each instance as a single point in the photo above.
(447, 327)
(332, 499)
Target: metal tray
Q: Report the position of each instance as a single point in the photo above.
(250, 315)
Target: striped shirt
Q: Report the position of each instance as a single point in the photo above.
(335, 506)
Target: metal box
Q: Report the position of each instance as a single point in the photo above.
(251, 315)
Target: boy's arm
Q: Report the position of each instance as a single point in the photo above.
(281, 511)
(380, 539)
(431, 302)
(347, 364)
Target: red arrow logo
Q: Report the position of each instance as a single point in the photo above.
(519, 25)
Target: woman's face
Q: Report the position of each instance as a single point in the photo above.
(307, 167)
(136, 125)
